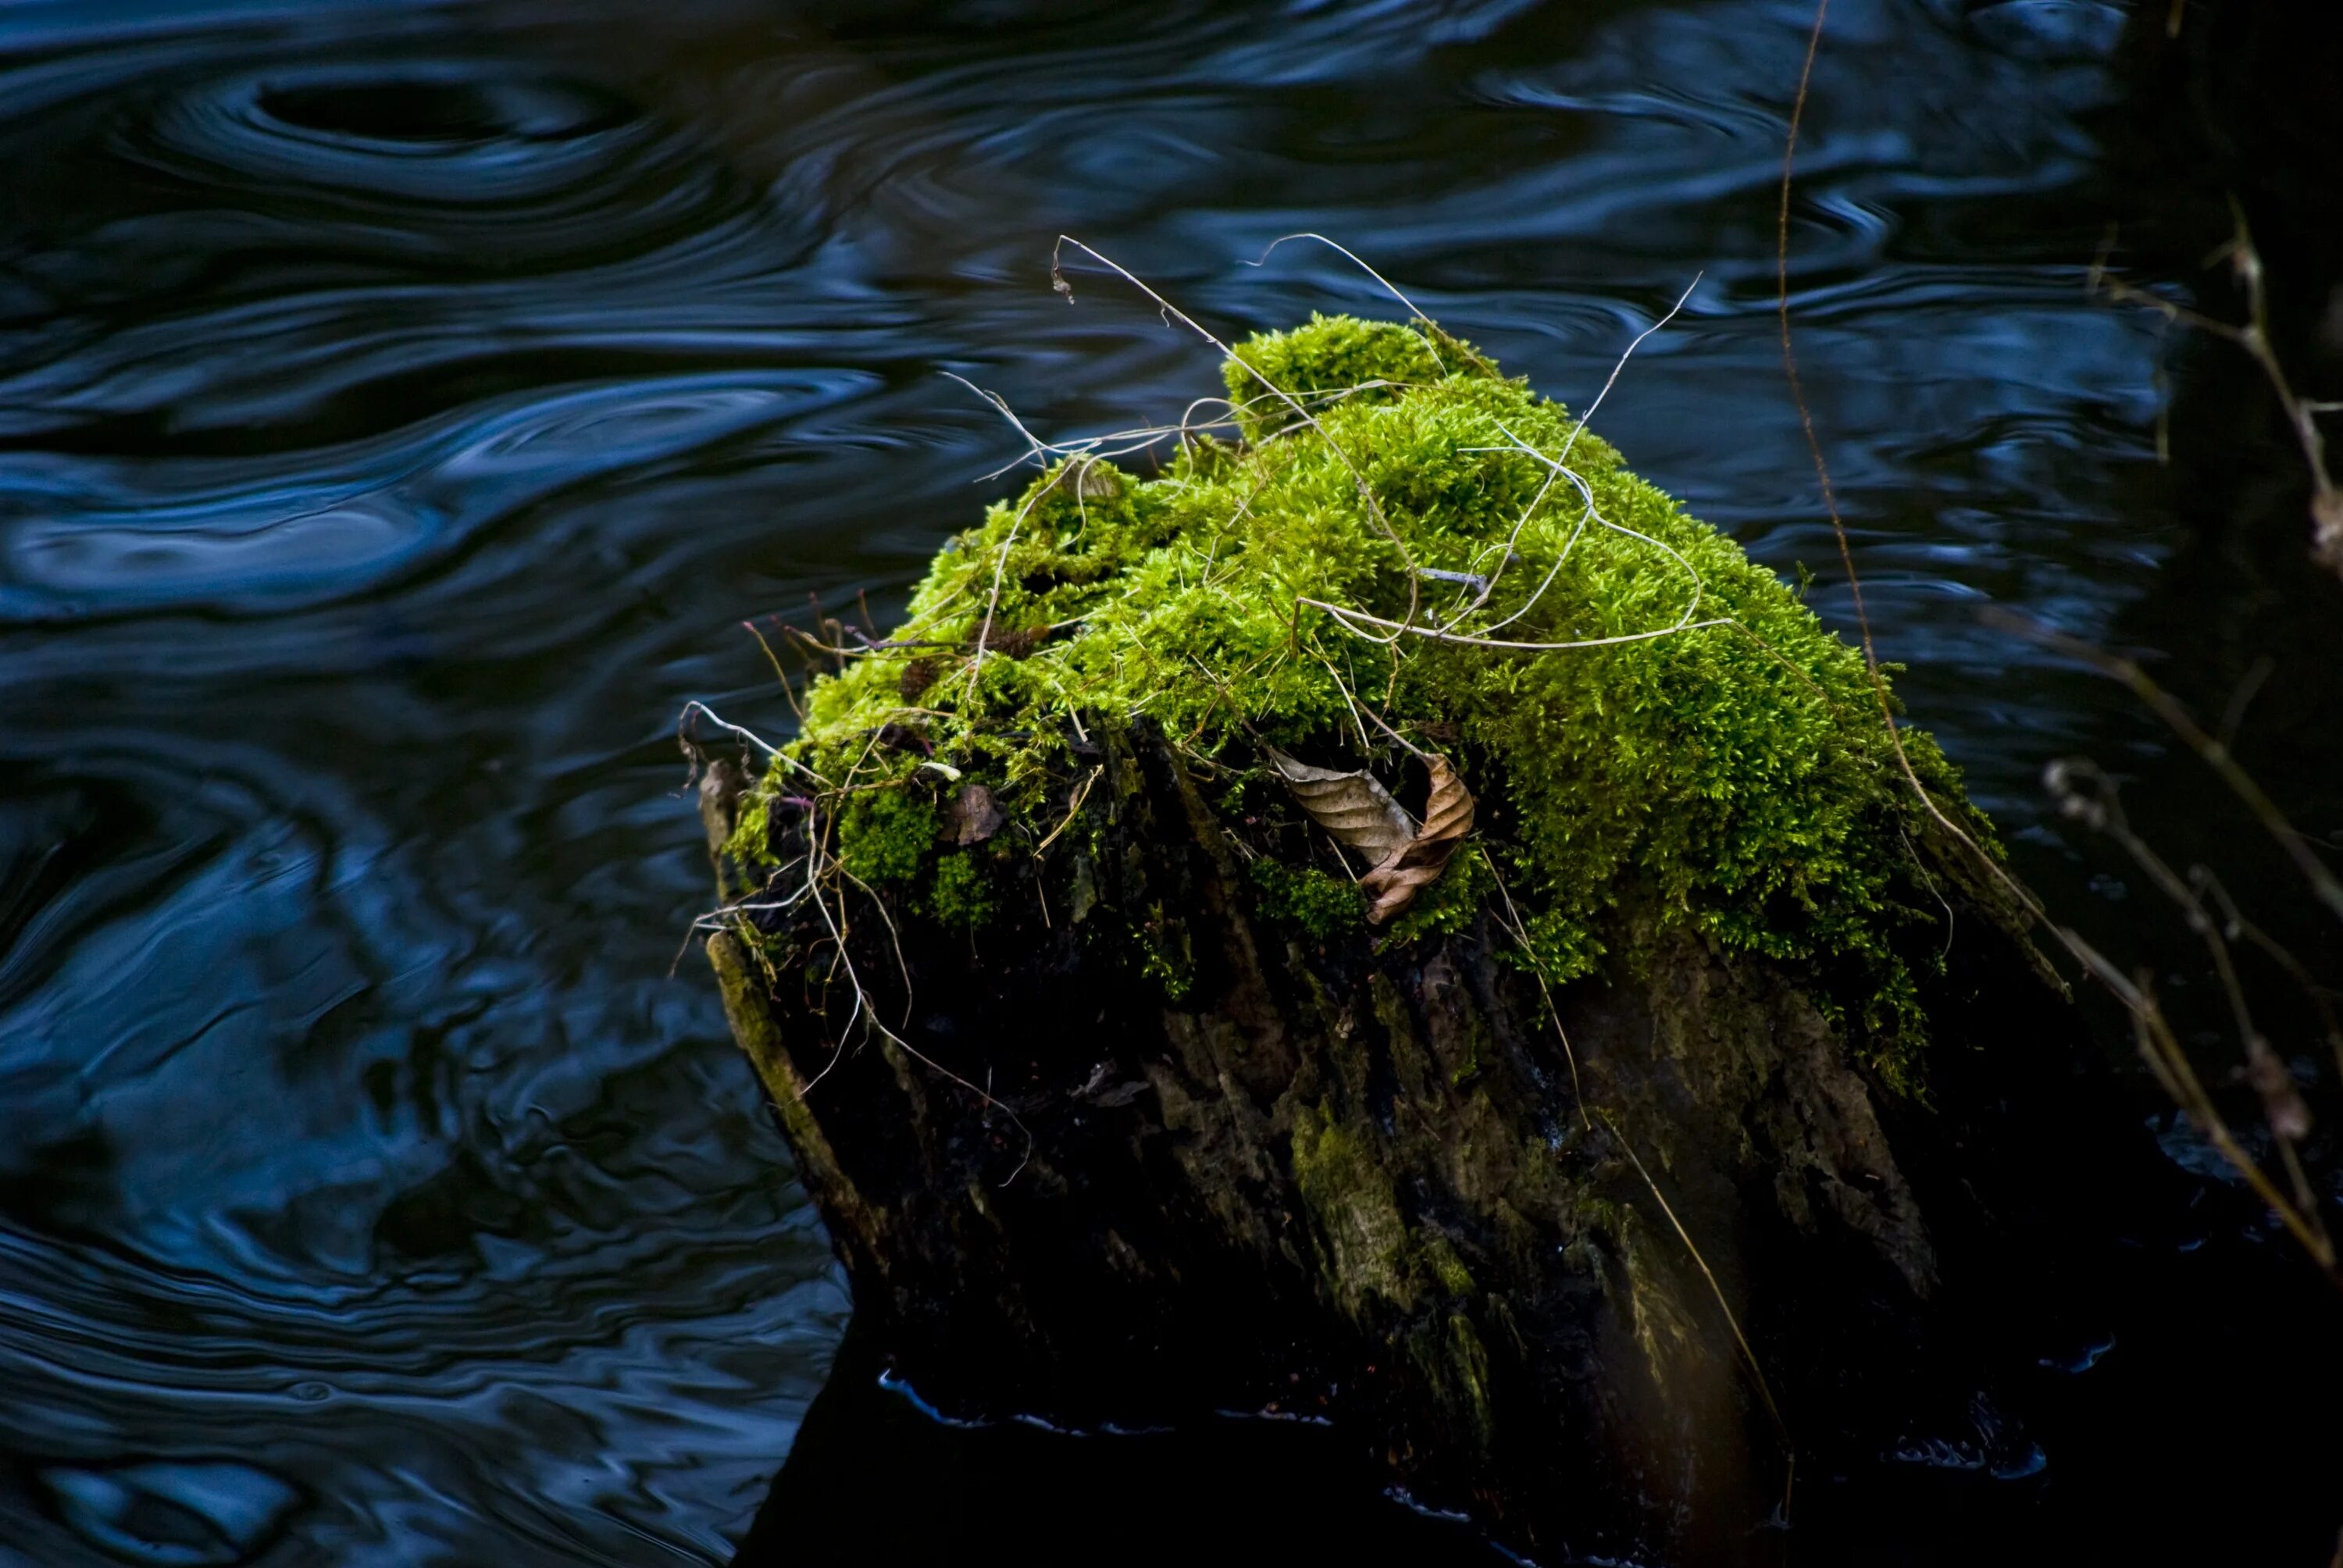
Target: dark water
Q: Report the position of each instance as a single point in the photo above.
(400, 405)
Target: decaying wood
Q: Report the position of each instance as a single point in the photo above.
(1388, 1185)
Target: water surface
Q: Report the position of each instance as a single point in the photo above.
(400, 406)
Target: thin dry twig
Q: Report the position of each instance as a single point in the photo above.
(823, 866)
(1756, 1372)
(1000, 563)
(1366, 491)
(2235, 926)
(1073, 810)
(1559, 466)
(2087, 795)
(2301, 413)
(696, 707)
(1262, 260)
(867, 1015)
(2158, 1045)
(2216, 754)
(1343, 616)
(1960, 835)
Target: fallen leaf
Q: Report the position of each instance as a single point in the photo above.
(975, 815)
(1447, 819)
(1358, 811)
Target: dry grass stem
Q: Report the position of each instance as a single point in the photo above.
(2302, 414)
(2159, 1047)
(1374, 510)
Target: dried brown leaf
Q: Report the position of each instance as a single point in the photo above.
(975, 815)
(1355, 810)
(1447, 819)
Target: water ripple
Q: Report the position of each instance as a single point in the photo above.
(251, 535)
(401, 406)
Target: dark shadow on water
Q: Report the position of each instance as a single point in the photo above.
(2147, 1393)
(874, 1478)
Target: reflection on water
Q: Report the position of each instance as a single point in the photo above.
(400, 404)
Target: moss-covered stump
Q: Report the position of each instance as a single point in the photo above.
(1570, 1160)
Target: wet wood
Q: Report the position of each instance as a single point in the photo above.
(1584, 1271)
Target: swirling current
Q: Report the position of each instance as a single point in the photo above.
(401, 404)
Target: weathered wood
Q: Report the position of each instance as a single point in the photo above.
(1377, 1186)
(1122, 1101)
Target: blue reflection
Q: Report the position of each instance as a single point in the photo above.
(399, 406)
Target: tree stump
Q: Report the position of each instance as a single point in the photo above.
(1582, 1191)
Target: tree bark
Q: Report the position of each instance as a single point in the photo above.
(1583, 1270)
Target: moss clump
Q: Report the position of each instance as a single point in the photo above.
(961, 895)
(887, 835)
(1319, 905)
(1450, 904)
(1731, 775)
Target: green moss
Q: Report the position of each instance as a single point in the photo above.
(1370, 1253)
(752, 843)
(1450, 904)
(1467, 1065)
(1304, 895)
(1731, 777)
(1468, 1363)
(1164, 953)
(961, 895)
(1330, 354)
(887, 835)
(1441, 1259)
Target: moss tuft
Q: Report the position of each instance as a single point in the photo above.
(1333, 355)
(961, 895)
(887, 835)
(1322, 906)
(1441, 1260)
(1733, 777)
(1450, 904)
